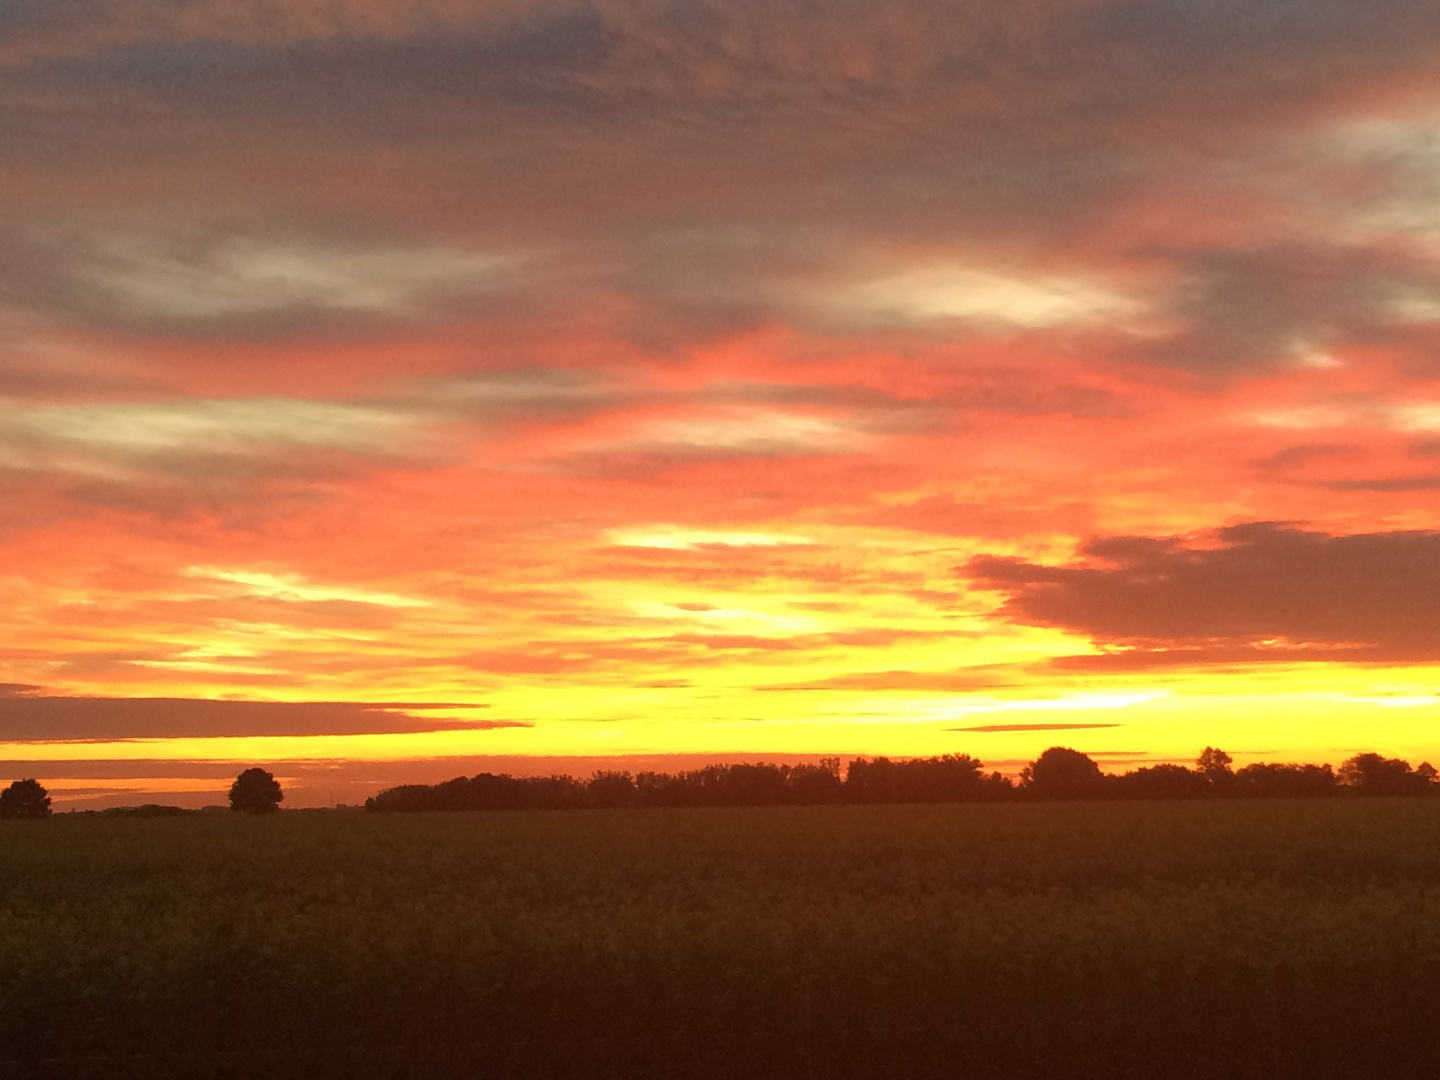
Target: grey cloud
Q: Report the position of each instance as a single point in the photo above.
(27, 715)
(1307, 453)
(23, 379)
(202, 437)
(17, 16)
(239, 494)
(249, 462)
(989, 389)
(239, 283)
(660, 147)
(1191, 34)
(373, 87)
(1386, 483)
(523, 395)
(877, 80)
(1266, 593)
(1282, 303)
(1351, 458)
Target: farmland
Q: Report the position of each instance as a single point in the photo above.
(320, 918)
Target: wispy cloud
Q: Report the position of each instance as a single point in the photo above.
(292, 587)
(254, 274)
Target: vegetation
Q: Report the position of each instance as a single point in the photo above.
(307, 916)
(24, 799)
(143, 810)
(1059, 773)
(1062, 773)
(952, 778)
(256, 791)
(172, 929)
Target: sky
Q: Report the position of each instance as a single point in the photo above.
(395, 390)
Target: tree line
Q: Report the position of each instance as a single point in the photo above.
(1058, 773)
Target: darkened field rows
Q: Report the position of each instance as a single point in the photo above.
(518, 929)
(1325, 1023)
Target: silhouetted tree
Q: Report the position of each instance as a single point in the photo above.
(558, 791)
(1214, 765)
(24, 799)
(1162, 782)
(487, 791)
(818, 783)
(997, 786)
(612, 789)
(1059, 773)
(1277, 780)
(738, 785)
(146, 810)
(404, 799)
(1371, 774)
(1063, 773)
(662, 789)
(255, 791)
(948, 778)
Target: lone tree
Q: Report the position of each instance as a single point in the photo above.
(24, 799)
(255, 791)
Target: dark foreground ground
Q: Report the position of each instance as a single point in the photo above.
(1267, 939)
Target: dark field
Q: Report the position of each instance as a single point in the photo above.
(124, 936)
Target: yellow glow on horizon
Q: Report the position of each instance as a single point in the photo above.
(76, 785)
(1121, 729)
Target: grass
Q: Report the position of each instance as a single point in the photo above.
(344, 911)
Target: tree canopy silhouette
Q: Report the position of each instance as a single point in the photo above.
(1165, 781)
(1063, 773)
(24, 799)
(1372, 774)
(1059, 773)
(256, 791)
(1275, 779)
(1214, 765)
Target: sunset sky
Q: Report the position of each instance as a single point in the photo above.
(394, 390)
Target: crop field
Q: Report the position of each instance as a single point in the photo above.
(343, 921)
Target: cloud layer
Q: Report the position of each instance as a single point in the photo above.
(621, 364)
(1265, 590)
(28, 716)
